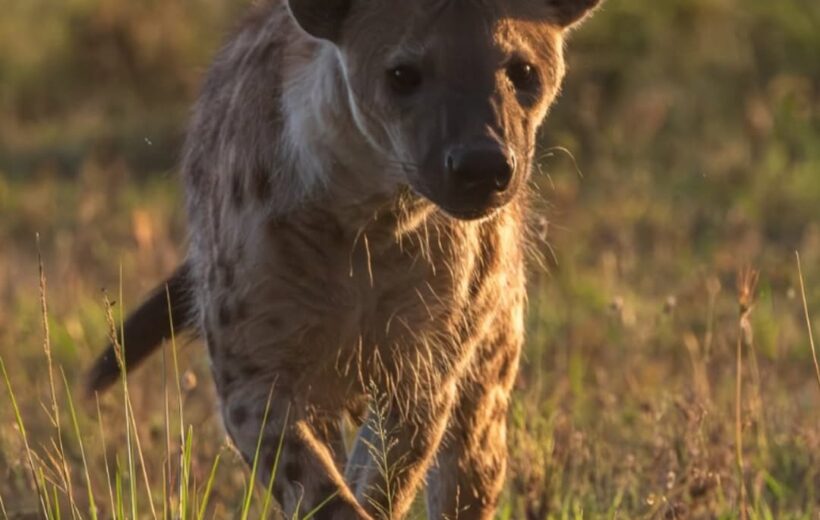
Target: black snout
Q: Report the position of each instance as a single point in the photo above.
(479, 170)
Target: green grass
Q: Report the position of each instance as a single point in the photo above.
(53, 467)
(695, 126)
(625, 406)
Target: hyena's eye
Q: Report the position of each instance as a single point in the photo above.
(404, 79)
(523, 76)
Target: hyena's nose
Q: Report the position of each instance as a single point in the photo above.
(482, 168)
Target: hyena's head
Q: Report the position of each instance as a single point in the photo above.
(451, 92)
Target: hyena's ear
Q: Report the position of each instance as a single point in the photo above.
(321, 18)
(569, 12)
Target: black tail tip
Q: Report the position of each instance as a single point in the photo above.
(103, 374)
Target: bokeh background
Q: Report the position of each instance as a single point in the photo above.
(685, 147)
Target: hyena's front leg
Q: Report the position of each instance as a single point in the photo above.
(394, 450)
(467, 477)
(308, 472)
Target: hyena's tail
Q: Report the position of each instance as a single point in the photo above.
(146, 328)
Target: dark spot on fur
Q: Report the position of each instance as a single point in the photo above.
(274, 226)
(332, 507)
(261, 179)
(215, 213)
(228, 274)
(237, 191)
(293, 472)
(505, 370)
(227, 378)
(486, 437)
(249, 371)
(476, 285)
(197, 175)
(327, 490)
(224, 314)
(274, 322)
(242, 311)
(238, 415)
(295, 448)
(314, 244)
(279, 489)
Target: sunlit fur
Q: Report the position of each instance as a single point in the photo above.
(324, 268)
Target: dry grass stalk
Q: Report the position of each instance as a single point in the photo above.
(130, 419)
(747, 285)
(54, 414)
(808, 319)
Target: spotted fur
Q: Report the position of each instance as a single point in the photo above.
(327, 273)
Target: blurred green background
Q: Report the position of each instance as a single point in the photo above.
(685, 146)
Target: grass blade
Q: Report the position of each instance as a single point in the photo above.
(185, 480)
(208, 487)
(182, 485)
(273, 470)
(138, 446)
(105, 457)
(55, 409)
(132, 481)
(249, 494)
(91, 502)
(320, 506)
(22, 427)
(808, 319)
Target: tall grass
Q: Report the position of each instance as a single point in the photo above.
(696, 126)
(51, 468)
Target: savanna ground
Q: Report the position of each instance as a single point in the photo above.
(696, 127)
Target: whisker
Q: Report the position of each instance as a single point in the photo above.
(550, 152)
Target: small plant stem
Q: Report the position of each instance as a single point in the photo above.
(167, 485)
(42, 493)
(747, 285)
(92, 504)
(3, 508)
(55, 409)
(105, 455)
(808, 319)
(182, 489)
(739, 430)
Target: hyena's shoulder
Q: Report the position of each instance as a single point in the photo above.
(237, 121)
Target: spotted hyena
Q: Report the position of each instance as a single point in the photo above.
(354, 174)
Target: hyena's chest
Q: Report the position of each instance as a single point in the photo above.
(369, 287)
(333, 293)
